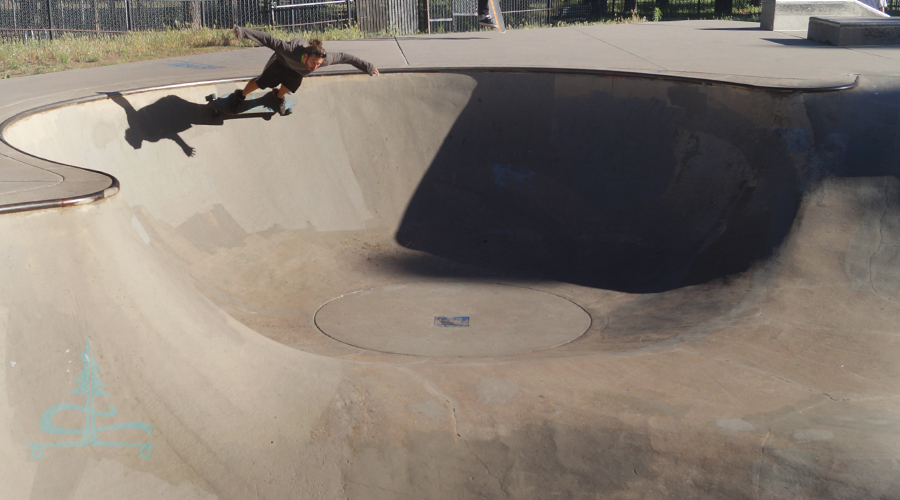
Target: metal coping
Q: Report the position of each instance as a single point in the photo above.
(113, 188)
(29, 206)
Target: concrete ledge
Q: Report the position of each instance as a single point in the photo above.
(854, 31)
(793, 15)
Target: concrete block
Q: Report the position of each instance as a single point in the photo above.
(793, 15)
(854, 31)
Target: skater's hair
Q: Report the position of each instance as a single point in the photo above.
(316, 48)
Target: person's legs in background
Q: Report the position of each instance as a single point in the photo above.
(484, 15)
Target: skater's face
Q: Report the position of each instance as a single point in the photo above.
(313, 61)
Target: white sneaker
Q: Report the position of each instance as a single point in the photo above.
(487, 20)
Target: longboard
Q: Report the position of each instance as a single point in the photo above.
(259, 104)
(494, 9)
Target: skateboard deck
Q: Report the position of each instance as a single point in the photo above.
(494, 9)
(253, 104)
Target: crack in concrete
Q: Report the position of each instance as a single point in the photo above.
(399, 47)
(620, 48)
(765, 373)
(369, 486)
(450, 404)
(762, 456)
(880, 237)
(487, 469)
(452, 408)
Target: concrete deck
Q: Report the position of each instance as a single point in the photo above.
(785, 15)
(717, 205)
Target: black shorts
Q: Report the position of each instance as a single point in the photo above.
(277, 74)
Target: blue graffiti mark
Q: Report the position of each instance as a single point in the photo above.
(454, 321)
(190, 65)
(91, 386)
(503, 176)
(797, 139)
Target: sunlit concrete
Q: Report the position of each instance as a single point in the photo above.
(723, 231)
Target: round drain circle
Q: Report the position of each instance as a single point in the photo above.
(452, 319)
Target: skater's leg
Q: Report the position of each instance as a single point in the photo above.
(250, 87)
(238, 97)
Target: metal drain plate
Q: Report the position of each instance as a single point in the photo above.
(452, 319)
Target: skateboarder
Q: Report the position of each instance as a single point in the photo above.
(289, 64)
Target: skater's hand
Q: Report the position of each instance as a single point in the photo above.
(375, 72)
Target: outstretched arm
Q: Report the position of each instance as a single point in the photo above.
(342, 58)
(261, 38)
(189, 151)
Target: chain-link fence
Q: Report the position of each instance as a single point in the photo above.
(459, 15)
(25, 19)
(28, 19)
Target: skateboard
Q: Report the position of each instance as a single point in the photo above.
(253, 104)
(494, 10)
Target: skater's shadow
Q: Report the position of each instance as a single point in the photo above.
(164, 119)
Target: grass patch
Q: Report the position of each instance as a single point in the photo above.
(73, 52)
(68, 52)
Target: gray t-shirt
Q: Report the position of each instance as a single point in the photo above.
(291, 53)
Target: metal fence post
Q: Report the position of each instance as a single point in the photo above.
(15, 19)
(50, 17)
(128, 15)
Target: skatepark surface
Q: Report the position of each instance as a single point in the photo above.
(641, 261)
